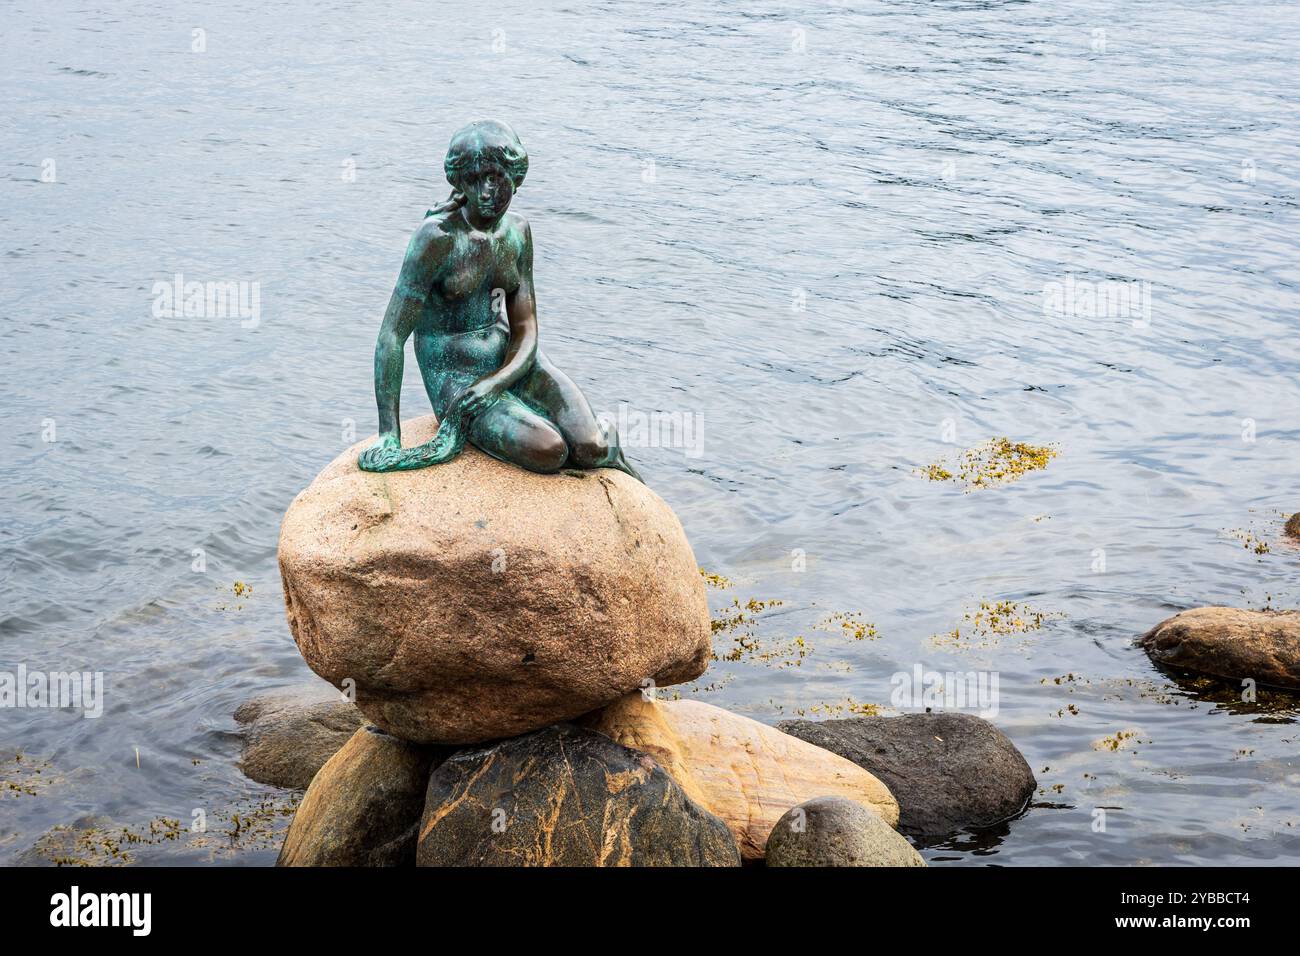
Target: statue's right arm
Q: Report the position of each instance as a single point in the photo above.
(424, 254)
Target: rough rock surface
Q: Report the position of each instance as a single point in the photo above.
(1292, 527)
(836, 831)
(947, 771)
(564, 796)
(289, 736)
(1230, 643)
(363, 808)
(741, 770)
(475, 600)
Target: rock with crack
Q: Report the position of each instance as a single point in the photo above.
(564, 796)
(743, 771)
(475, 600)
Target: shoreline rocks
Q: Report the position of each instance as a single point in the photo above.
(836, 831)
(739, 769)
(1231, 644)
(1292, 526)
(289, 736)
(564, 796)
(475, 600)
(364, 806)
(948, 771)
(496, 628)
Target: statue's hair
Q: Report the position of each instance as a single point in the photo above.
(486, 141)
(482, 140)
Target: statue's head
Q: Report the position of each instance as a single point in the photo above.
(486, 163)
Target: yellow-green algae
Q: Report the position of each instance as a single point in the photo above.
(851, 624)
(256, 824)
(738, 623)
(715, 580)
(1120, 740)
(847, 706)
(24, 776)
(993, 620)
(997, 461)
(1249, 540)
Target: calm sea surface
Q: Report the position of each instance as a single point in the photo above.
(823, 235)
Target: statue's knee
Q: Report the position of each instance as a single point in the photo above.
(547, 451)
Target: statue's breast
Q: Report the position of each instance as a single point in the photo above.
(471, 263)
(481, 264)
(464, 279)
(507, 277)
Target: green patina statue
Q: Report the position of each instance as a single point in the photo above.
(466, 291)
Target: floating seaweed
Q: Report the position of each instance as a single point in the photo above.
(851, 624)
(993, 620)
(997, 461)
(848, 706)
(24, 776)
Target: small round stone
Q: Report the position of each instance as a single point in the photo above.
(836, 831)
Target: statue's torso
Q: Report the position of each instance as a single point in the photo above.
(463, 331)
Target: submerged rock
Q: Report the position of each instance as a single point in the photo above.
(948, 771)
(289, 736)
(743, 771)
(91, 840)
(475, 600)
(1230, 643)
(836, 831)
(564, 796)
(363, 808)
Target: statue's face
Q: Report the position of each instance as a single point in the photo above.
(488, 191)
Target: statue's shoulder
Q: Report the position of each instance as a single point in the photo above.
(521, 234)
(434, 233)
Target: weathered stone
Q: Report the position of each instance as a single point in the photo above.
(1292, 527)
(836, 831)
(949, 772)
(475, 600)
(564, 796)
(1230, 643)
(289, 736)
(363, 808)
(741, 770)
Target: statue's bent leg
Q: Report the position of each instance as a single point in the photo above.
(590, 444)
(513, 432)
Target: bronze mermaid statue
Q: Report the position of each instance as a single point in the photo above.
(465, 291)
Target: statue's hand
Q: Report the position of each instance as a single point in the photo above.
(383, 455)
(479, 397)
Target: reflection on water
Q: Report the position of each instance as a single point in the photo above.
(843, 243)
